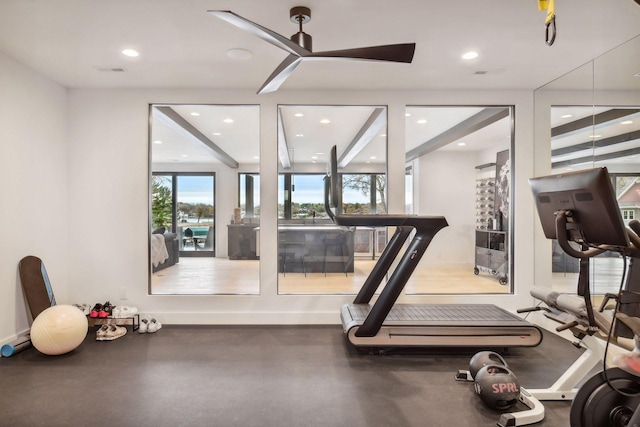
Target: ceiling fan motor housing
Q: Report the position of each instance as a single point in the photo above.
(303, 39)
(301, 15)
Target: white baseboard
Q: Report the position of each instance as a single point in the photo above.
(248, 318)
(11, 338)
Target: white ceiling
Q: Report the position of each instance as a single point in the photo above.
(182, 46)
(592, 135)
(307, 137)
(239, 138)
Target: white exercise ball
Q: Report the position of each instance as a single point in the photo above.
(59, 329)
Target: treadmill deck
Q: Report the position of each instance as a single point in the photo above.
(442, 325)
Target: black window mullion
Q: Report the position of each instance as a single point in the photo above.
(288, 195)
(249, 204)
(174, 203)
(372, 194)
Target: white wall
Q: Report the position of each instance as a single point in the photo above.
(447, 186)
(74, 175)
(108, 160)
(34, 187)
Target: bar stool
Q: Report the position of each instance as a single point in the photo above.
(333, 243)
(288, 251)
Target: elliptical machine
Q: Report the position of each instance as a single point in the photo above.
(581, 207)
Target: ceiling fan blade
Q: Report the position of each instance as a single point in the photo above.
(260, 31)
(392, 52)
(281, 73)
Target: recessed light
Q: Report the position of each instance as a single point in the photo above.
(461, 144)
(325, 121)
(320, 154)
(185, 155)
(299, 115)
(382, 135)
(595, 136)
(256, 157)
(217, 134)
(407, 114)
(299, 135)
(422, 121)
(157, 141)
(239, 54)
(130, 52)
(372, 157)
(566, 116)
(228, 120)
(470, 55)
(195, 114)
(314, 157)
(626, 122)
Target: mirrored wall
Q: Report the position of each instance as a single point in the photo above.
(594, 121)
(314, 255)
(459, 165)
(204, 199)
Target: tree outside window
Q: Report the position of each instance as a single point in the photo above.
(161, 202)
(371, 186)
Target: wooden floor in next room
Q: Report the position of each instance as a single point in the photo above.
(224, 276)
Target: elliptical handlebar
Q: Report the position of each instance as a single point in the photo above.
(634, 224)
(582, 308)
(634, 237)
(633, 250)
(563, 238)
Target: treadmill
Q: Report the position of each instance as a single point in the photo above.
(385, 324)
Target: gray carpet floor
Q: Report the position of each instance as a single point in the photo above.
(258, 376)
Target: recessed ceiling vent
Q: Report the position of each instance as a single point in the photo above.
(480, 72)
(110, 69)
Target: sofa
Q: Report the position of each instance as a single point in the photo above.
(173, 250)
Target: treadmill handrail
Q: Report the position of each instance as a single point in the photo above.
(426, 228)
(379, 270)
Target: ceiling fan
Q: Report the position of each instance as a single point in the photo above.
(299, 47)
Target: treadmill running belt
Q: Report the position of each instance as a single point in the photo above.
(438, 313)
(440, 325)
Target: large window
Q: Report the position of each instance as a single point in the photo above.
(584, 137)
(301, 196)
(314, 255)
(590, 118)
(459, 165)
(204, 199)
